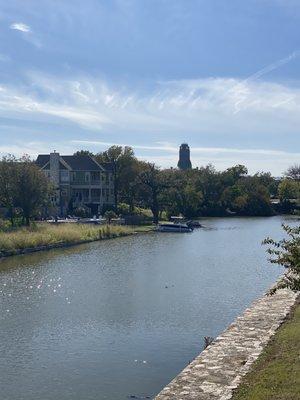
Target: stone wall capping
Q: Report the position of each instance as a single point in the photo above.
(219, 369)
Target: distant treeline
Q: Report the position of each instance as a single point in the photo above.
(197, 192)
(25, 191)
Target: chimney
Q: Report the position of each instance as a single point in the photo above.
(54, 168)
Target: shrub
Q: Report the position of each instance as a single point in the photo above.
(123, 209)
(286, 252)
(81, 212)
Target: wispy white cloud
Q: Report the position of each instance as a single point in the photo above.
(204, 105)
(241, 90)
(20, 26)
(198, 108)
(173, 148)
(26, 33)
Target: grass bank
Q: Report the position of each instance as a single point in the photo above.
(276, 374)
(43, 236)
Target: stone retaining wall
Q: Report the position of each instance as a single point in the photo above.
(218, 370)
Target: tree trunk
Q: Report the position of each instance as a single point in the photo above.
(131, 203)
(27, 220)
(155, 209)
(11, 216)
(115, 185)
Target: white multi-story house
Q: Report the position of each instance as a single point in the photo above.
(79, 180)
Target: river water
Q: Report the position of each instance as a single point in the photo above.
(121, 318)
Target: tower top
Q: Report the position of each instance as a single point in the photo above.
(184, 157)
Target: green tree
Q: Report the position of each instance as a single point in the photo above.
(293, 172)
(233, 174)
(8, 179)
(286, 253)
(180, 194)
(211, 184)
(288, 189)
(248, 197)
(109, 215)
(152, 186)
(83, 153)
(123, 163)
(32, 188)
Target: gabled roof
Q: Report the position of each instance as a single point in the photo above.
(42, 160)
(108, 166)
(76, 163)
(82, 163)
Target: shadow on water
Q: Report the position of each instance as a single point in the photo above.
(35, 259)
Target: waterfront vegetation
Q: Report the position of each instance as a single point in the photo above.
(44, 234)
(276, 374)
(25, 192)
(286, 253)
(200, 191)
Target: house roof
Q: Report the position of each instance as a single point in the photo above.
(108, 166)
(76, 163)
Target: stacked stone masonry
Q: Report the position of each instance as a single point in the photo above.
(218, 370)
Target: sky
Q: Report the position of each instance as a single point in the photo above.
(223, 76)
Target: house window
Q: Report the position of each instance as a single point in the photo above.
(95, 176)
(64, 176)
(95, 193)
(87, 176)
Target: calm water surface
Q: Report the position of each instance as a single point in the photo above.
(118, 318)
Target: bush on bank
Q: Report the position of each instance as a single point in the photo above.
(47, 235)
(286, 252)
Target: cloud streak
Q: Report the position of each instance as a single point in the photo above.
(20, 26)
(241, 89)
(26, 33)
(173, 148)
(195, 110)
(204, 105)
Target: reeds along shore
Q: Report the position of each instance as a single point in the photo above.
(50, 235)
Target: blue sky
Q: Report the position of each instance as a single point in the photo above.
(220, 75)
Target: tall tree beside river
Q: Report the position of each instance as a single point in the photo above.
(32, 188)
(23, 186)
(124, 165)
(8, 180)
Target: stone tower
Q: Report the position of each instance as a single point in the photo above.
(184, 157)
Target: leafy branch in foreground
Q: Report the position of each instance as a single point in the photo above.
(286, 252)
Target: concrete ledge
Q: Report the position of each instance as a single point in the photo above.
(218, 370)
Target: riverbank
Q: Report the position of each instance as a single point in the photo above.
(276, 374)
(219, 369)
(45, 236)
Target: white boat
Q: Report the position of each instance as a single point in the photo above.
(95, 221)
(170, 227)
